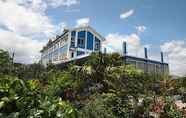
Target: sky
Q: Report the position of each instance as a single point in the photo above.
(159, 25)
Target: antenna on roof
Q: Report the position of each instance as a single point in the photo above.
(124, 48)
(146, 55)
(162, 58)
(57, 36)
(105, 50)
(65, 30)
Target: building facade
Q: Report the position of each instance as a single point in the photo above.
(78, 43)
(145, 64)
(72, 44)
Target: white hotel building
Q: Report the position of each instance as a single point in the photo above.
(72, 44)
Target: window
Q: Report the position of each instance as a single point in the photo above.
(80, 53)
(63, 49)
(151, 68)
(81, 39)
(55, 55)
(72, 42)
(50, 56)
(90, 38)
(73, 36)
(63, 52)
(157, 68)
(73, 33)
(97, 44)
(61, 43)
(140, 65)
(72, 55)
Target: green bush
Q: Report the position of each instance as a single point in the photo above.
(170, 110)
(101, 87)
(20, 99)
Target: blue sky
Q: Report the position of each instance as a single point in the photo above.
(165, 20)
(26, 25)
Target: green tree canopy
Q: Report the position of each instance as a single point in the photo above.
(4, 61)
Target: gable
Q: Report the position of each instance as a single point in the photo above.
(90, 29)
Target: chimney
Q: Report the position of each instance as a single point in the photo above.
(105, 50)
(57, 36)
(146, 56)
(124, 48)
(65, 30)
(162, 60)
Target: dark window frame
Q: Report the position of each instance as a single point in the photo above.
(97, 44)
(81, 39)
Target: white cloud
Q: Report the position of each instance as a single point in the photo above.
(176, 52)
(127, 14)
(72, 10)
(23, 26)
(82, 22)
(35, 5)
(141, 28)
(68, 3)
(60, 27)
(25, 48)
(43, 4)
(23, 20)
(114, 43)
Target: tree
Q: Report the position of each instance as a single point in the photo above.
(5, 61)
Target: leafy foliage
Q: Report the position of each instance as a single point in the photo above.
(101, 87)
(4, 62)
